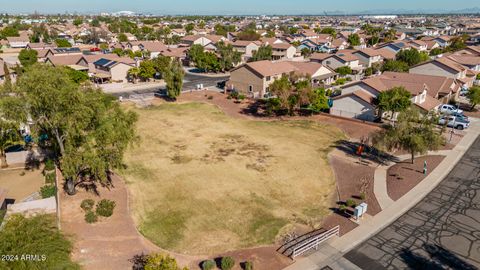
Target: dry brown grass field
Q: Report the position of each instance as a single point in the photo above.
(202, 182)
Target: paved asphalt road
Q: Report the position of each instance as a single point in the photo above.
(190, 82)
(441, 232)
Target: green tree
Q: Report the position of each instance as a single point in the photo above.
(270, 34)
(394, 100)
(95, 23)
(456, 44)
(330, 31)
(122, 37)
(28, 57)
(133, 74)
(77, 76)
(147, 69)
(8, 136)
(196, 53)
(396, 66)
(282, 88)
(473, 96)
(78, 21)
(10, 31)
(306, 52)
(263, 53)
(390, 35)
(436, 51)
(189, 27)
(162, 63)
(229, 57)
(63, 43)
(354, 40)
(7, 84)
(414, 132)
(89, 130)
(412, 57)
(345, 70)
(35, 235)
(318, 100)
(249, 34)
(174, 79)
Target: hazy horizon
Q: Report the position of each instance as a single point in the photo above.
(245, 7)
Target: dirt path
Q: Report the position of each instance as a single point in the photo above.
(109, 243)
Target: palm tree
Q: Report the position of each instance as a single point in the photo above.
(133, 74)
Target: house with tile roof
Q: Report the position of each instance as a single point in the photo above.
(254, 78)
(443, 66)
(428, 93)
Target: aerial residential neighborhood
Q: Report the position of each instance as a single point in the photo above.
(245, 135)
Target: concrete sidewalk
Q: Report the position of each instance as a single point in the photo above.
(331, 253)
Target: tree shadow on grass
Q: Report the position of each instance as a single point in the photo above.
(370, 153)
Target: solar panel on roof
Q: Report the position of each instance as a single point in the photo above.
(101, 62)
(111, 63)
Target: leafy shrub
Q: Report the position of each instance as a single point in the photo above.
(342, 208)
(105, 208)
(161, 262)
(87, 204)
(48, 191)
(24, 235)
(234, 94)
(50, 178)
(208, 265)
(363, 196)
(91, 217)
(241, 97)
(49, 165)
(227, 263)
(351, 203)
(340, 81)
(248, 265)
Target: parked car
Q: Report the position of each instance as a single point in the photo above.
(221, 84)
(460, 116)
(463, 92)
(455, 122)
(449, 109)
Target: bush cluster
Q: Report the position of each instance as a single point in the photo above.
(48, 191)
(91, 217)
(87, 204)
(105, 208)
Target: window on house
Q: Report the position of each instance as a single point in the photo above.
(250, 88)
(328, 62)
(268, 78)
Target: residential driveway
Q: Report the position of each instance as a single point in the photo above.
(441, 232)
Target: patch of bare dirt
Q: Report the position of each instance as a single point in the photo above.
(404, 176)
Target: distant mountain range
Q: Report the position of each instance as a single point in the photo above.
(474, 10)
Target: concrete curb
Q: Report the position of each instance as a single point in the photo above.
(336, 247)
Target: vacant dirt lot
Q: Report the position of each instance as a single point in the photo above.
(205, 183)
(404, 176)
(21, 183)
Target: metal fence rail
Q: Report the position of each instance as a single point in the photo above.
(314, 242)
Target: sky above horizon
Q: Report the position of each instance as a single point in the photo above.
(228, 7)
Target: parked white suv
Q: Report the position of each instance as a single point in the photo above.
(450, 109)
(455, 122)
